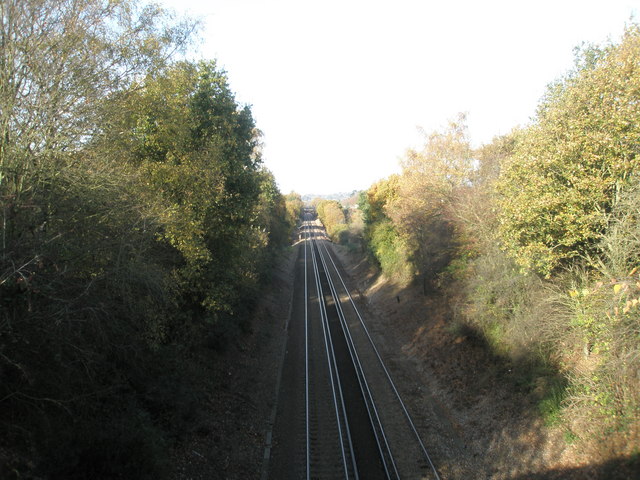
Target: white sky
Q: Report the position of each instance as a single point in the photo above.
(339, 86)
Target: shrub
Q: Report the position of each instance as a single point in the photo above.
(571, 164)
(392, 252)
(604, 395)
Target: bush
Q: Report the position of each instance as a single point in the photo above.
(391, 252)
(124, 444)
(604, 399)
(572, 163)
(331, 214)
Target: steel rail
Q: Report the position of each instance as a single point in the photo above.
(306, 358)
(336, 388)
(386, 371)
(335, 366)
(372, 410)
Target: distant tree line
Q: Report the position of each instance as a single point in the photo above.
(137, 223)
(537, 235)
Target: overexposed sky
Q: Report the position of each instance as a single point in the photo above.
(339, 87)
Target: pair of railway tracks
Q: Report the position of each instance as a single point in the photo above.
(356, 424)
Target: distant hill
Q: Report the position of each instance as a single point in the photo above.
(307, 198)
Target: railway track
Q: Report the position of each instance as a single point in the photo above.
(340, 416)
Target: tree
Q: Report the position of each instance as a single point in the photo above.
(199, 152)
(58, 61)
(386, 244)
(571, 165)
(331, 214)
(83, 295)
(294, 207)
(136, 221)
(430, 180)
(273, 219)
(474, 211)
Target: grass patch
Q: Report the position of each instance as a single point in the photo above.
(550, 405)
(569, 437)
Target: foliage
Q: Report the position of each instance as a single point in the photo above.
(274, 222)
(137, 221)
(424, 196)
(381, 236)
(58, 60)
(535, 239)
(391, 251)
(353, 236)
(604, 319)
(571, 165)
(198, 152)
(568, 200)
(294, 205)
(331, 214)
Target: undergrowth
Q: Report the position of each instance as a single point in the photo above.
(575, 337)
